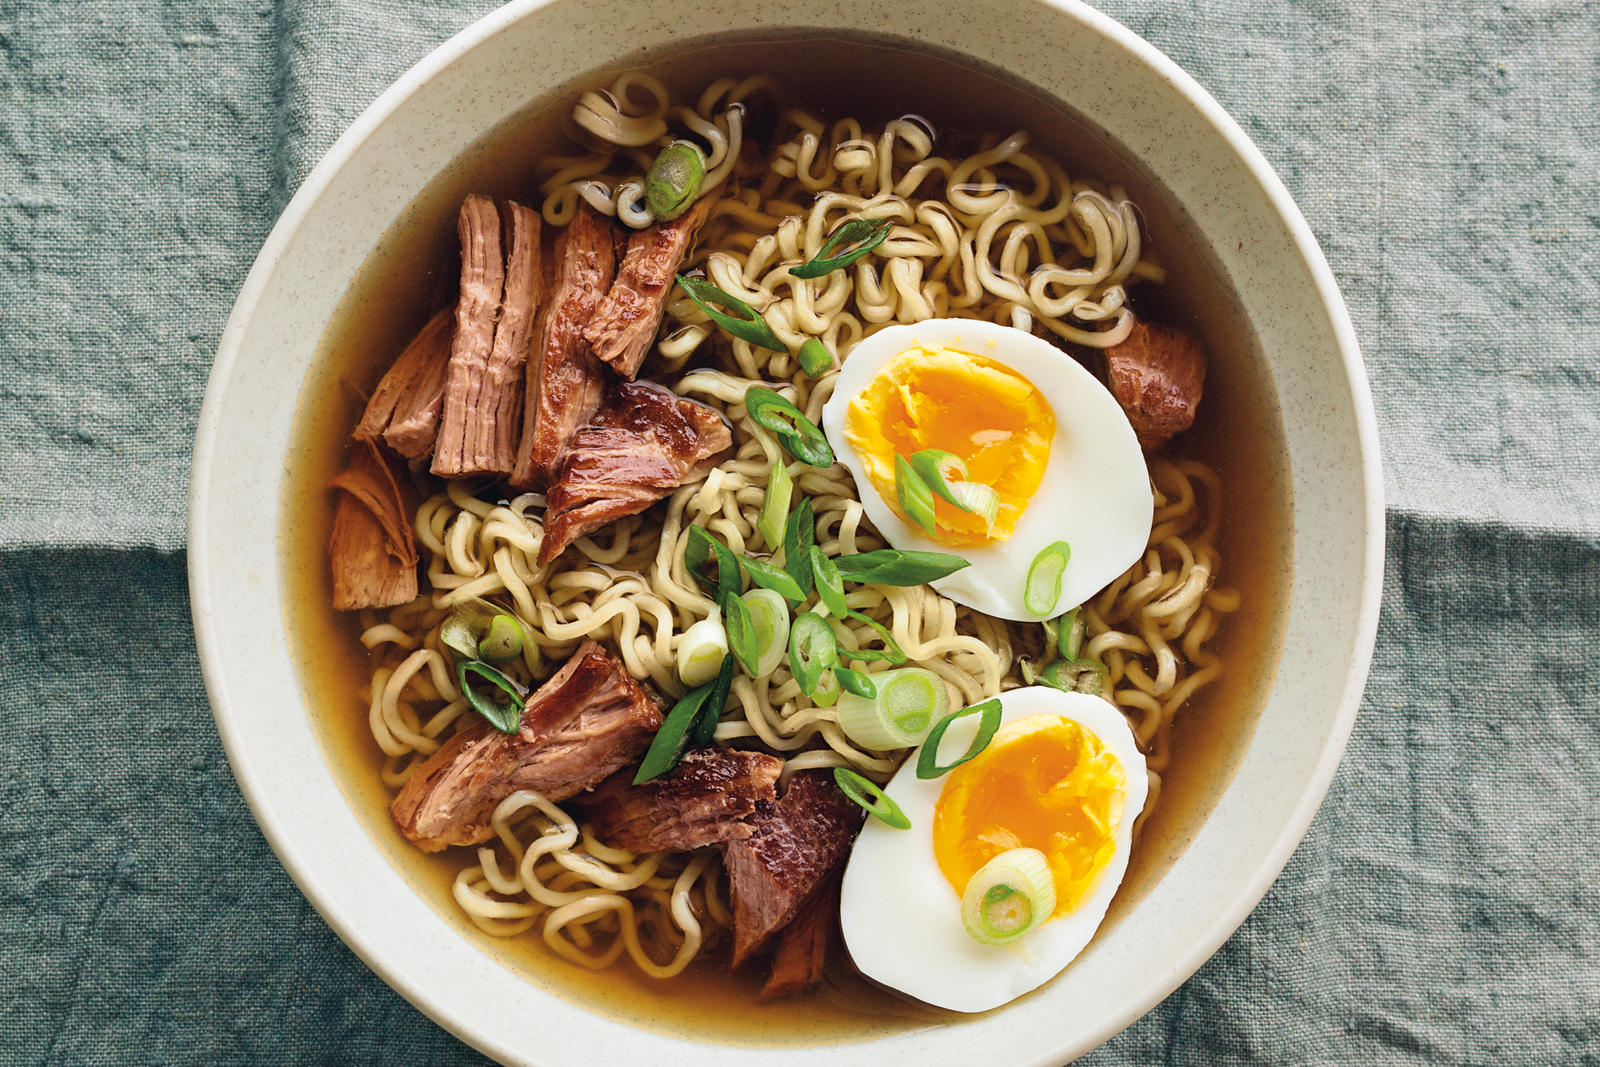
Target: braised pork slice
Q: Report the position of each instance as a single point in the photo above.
(403, 410)
(626, 321)
(1157, 375)
(794, 845)
(803, 946)
(589, 720)
(570, 382)
(644, 443)
(371, 548)
(500, 278)
(706, 800)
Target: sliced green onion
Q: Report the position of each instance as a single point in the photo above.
(893, 566)
(1043, 588)
(742, 641)
(1076, 676)
(916, 499)
(699, 549)
(815, 359)
(830, 587)
(745, 322)
(856, 682)
(891, 651)
(928, 759)
(1029, 675)
(457, 635)
(503, 715)
(799, 534)
(1011, 895)
(865, 793)
(977, 499)
(856, 237)
(1070, 633)
(776, 579)
(701, 651)
(674, 179)
(503, 642)
(827, 694)
(705, 724)
(813, 651)
(937, 468)
(904, 705)
(796, 433)
(775, 506)
(769, 615)
(673, 737)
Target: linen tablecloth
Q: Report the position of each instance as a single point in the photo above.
(1443, 909)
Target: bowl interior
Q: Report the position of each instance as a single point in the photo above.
(384, 201)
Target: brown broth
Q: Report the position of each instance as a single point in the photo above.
(409, 273)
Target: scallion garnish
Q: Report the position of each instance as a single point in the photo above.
(774, 578)
(928, 759)
(705, 723)
(1069, 633)
(1009, 896)
(769, 617)
(856, 682)
(846, 245)
(503, 642)
(898, 713)
(698, 550)
(828, 690)
(893, 566)
(829, 585)
(667, 747)
(674, 179)
(503, 715)
(891, 651)
(1043, 587)
(1075, 676)
(775, 506)
(916, 499)
(799, 534)
(457, 635)
(745, 322)
(799, 436)
(701, 651)
(742, 640)
(813, 651)
(815, 359)
(945, 474)
(876, 802)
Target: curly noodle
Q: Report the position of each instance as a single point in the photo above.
(1000, 234)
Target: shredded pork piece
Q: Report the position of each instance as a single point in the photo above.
(803, 946)
(625, 323)
(644, 443)
(1157, 375)
(588, 721)
(404, 409)
(706, 800)
(570, 382)
(795, 844)
(371, 548)
(483, 393)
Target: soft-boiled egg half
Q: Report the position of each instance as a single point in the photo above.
(1063, 777)
(1029, 422)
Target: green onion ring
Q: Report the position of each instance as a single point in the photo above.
(1043, 586)
(815, 359)
(799, 436)
(914, 494)
(774, 578)
(830, 586)
(746, 323)
(859, 236)
(701, 545)
(666, 749)
(503, 715)
(928, 757)
(867, 794)
(891, 650)
(799, 535)
(741, 633)
(705, 723)
(813, 651)
(856, 682)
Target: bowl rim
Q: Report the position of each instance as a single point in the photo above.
(204, 597)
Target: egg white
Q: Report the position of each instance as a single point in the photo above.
(901, 918)
(1095, 492)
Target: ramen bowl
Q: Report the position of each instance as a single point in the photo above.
(1291, 364)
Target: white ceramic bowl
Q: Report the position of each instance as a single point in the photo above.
(487, 73)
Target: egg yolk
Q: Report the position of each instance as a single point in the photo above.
(983, 411)
(1044, 782)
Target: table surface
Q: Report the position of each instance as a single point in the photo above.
(1444, 907)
